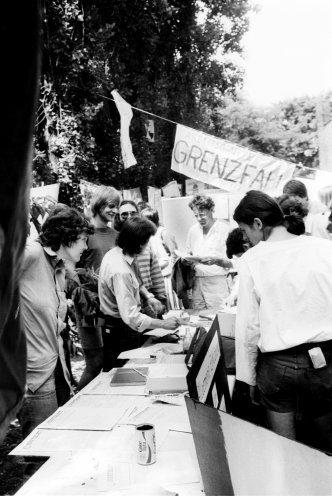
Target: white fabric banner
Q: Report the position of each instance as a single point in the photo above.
(48, 190)
(126, 115)
(226, 165)
(154, 200)
(133, 194)
(171, 190)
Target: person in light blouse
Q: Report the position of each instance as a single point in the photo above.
(283, 327)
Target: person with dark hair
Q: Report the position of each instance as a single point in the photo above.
(120, 290)
(206, 240)
(149, 269)
(296, 206)
(43, 306)
(236, 245)
(297, 189)
(283, 325)
(127, 209)
(294, 187)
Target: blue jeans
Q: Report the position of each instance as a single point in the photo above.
(39, 405)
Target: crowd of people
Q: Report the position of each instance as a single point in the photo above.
(117, 273)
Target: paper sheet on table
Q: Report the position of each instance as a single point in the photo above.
(105, 401)
(44, 442)
(170, 417)
(92, 472)
(197, 321)
(158, 332)
(102, 386)
(91, 419)
(147, 351)
(173, 467)
(168, 370)
(167, 378)
(118, 443)
(175, 313)
(165, 358)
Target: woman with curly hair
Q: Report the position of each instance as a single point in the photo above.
(63, 237)
(206, 241)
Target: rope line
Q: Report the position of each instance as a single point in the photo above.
(203, 132)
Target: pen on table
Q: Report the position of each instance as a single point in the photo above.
(205, 317)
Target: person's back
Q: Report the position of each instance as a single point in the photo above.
(293, 283)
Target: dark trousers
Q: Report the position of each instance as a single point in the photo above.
(117, 337)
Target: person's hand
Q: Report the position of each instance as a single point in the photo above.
(229, 301)
(156, 306)
(209, 260)
(253, 395)
(170, 323)
(187, 262)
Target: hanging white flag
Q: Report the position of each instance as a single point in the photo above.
(126, 115)
(149, 126)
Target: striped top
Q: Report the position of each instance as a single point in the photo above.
(150, 272)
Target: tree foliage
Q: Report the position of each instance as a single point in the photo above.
(287, 130)
(159, 54)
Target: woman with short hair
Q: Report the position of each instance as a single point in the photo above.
(63, 237)
(120, 289)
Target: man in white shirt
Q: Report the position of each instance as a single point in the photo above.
(206, 241)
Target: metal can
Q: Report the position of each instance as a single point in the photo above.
(146, 444)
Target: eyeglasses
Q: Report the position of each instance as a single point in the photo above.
(200, 214)
(125, 215)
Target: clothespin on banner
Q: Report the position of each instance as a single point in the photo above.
(150, 132)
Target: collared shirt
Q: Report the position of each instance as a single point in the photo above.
(118, 288)
(212, 244)
(284, 299)
(44, 307)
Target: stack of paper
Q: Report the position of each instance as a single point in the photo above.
(167, 378)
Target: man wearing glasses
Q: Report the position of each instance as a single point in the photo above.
(206, 241)
(127, 209)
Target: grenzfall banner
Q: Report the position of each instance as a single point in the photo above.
(226, 165)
